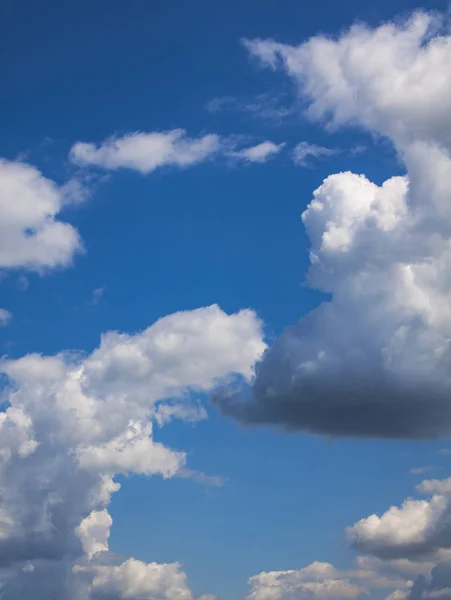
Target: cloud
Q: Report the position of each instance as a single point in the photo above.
(373, 359)
(265, 106)
(417, 529)
(421, 470)
(418, 533)
(136, 580)
(412, 529)
(259, 153)
(432, 486)
(97, 295)
(304, 150)
(318, 580)
(145, 152)
(322, 581)
(31, 235)
(370, 77)
(73, 422)
(5, 317)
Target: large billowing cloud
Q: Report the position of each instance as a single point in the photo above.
(73, 422)
(31, 234)
(374, 360)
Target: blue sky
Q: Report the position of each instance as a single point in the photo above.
(225, 231)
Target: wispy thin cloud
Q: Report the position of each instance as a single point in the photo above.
(304, 151)
(268, 106)
(422, 470)
(5, 317)
(202, 478)
(97, 295)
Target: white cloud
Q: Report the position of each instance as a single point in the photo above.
(303, 151)
(146, 152)
(76, 421)
(393, 80)
(324, 581)
(419, 534)
(373, 359)
(135, 580)
(259, 153)
(435, 486)
(5, 317)
(31, 235)
(401, 531)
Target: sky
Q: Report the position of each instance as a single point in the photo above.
(225, 326)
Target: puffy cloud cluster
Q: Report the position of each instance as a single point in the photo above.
(31, 234)
(393, 80)
(418, 533)
(318, 580)
(374, 359)
(325, 582)
(73, 422)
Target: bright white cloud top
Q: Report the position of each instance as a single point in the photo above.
(31, 234)
(74, 422)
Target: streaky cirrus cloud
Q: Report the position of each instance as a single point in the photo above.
(73, 422)
(373, 359)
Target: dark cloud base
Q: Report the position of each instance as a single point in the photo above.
(340, 404)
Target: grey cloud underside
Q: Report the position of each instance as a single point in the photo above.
(340, 403)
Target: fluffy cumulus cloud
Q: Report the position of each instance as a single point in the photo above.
(372, 360)
(418, 534)
(323, 581)
(31, 234)
(73, 422)
(146, 152)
